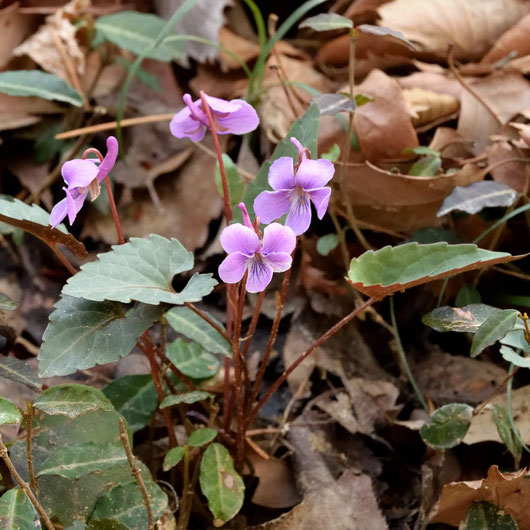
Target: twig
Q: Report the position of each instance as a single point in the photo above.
(29, 453)
(4, 455)
(208, 320)
(137, 475)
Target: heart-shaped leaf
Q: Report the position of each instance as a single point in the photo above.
(462, 319)
(17, 512)
(82, 334)
(221, 484)
(390, 269)
(327, 22)
(141, 270)
(485, 515)
(188, 398)
(201, 437)
(448, 426)
(9, 413)
(17, 370)
(192, 360)
(493, 329)
(173, 457)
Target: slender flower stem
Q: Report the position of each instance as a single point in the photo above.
(29, 453)
(330, 332)
(114, 211)
(208, 320)
(4, 455)
(510, 411)
(137, 475)
(184, 511)
(403, 358)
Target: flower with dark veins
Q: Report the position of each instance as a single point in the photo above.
(247, 251)
(230, 117)
(81, 177)
(294, 191)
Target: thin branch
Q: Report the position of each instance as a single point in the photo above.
(208, 320)
(29, 453)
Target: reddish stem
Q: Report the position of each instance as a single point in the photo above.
(304, 356)
(208, 320)
(114, 211)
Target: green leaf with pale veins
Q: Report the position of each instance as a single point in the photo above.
(76, 461)
(173, 457)
(201, 437)
(134, 397)
(17, 512)
(448, 426)
(467, 319)
(485, 515)
(191, 359)
(9, 413)
(493, 329)
(188, 398)
(38, 84)
(192, 326)
(390, 269)
(327, 22)
(17, 370)
(82, 334)
(72, 400)
(141, 270)
(221, 484)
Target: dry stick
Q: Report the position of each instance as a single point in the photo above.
(4, 455)
(137, 475)
(305, 355)
(29, 453)
(208, 320)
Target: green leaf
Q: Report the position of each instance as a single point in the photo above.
(191, 359)
(201, 437)
(434, 234)
(327, 243)
(448, 426)
(512, 357)
(9, 413)
(172, 458)
(383, 31)
(188, 398)
(38, 84)
(76, 461)
(192, 326)
(467, 295)
(125, 504)
(485, 515)
(392, 269)
(493, 329)
(477, 196)
(17, 512)
(6, 303)
(428, 166)
(72, 400)
(305, 129)
(331, 104)
(141, 270)
(17, 370)
(467, 319)
(333, 154)
(82, 334)
(46, 146)
(423, 150)
(221, 484)
(327, 22)
(134, 397)
(504, 428)
(149, 80)
(516, 339)
(137, 32)
(236, 186)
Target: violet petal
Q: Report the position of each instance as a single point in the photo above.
(320, 198)
(313, 174)
(58, 213)
(233, 267)
(271, 205)
(221, 105)
(184, 126)
(240, 121)
(239, 238)
(281, 174)
(108, 162)
(259, 275)
(299, 217)
(278, 238)
(79, 173)
(278, 261)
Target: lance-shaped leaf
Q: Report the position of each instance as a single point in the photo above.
(17, 512)
(38, 84)
(36, 221)
(17, 370)
(173, 457)
(502, 422)
(192, 360)
(331, 104)
(134, 397)
(391, 269)
(188, 398)
(383, 31)
(484, 515)
(75, 461)
(201, 437)
(462, 319)
(141, 270)
(221, 484)
(493, 329)
(82, 334)
(72, 400)
(327, 22)
(192, 326)
(9, 413)
(477, 196)
(448, 426)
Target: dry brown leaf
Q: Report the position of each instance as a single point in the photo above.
(515, 39)
(108, 79)
(524, 131)
(471, 27)
(243, 48)
(430, 106)
(509, 491)
(14, 27)
(451, 144)
(506, 165)
(437, 81)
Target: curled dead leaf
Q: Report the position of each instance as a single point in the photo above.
(507, 165)
(430, 106)
(514, 40)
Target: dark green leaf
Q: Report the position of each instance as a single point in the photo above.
(236, 185)
(141, 270)
(192, 326)
(17, 512)
(38, 84)
(504, 428)
(188, 398)
(493, 329)
(466, 319)
(393, 269)
(485, 515)
(173, 457)
(221, 484)
(9, 413)
(201, 437)
(448, 426)
(434, 234)
(76, 461)
(327, 243)
(331, 104)
(82, 334)
(333, 154)
(327, 22)
(477, 196)
(428, 166)
(46, 146)
(6, 303)
(72, 400)
(467, 295)
(17, 370)
(134, 397)
(383, 31)
(191, 359)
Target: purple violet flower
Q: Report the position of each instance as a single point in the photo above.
(249, 252)
(82, 176)
(230, 117)
(294, 191)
